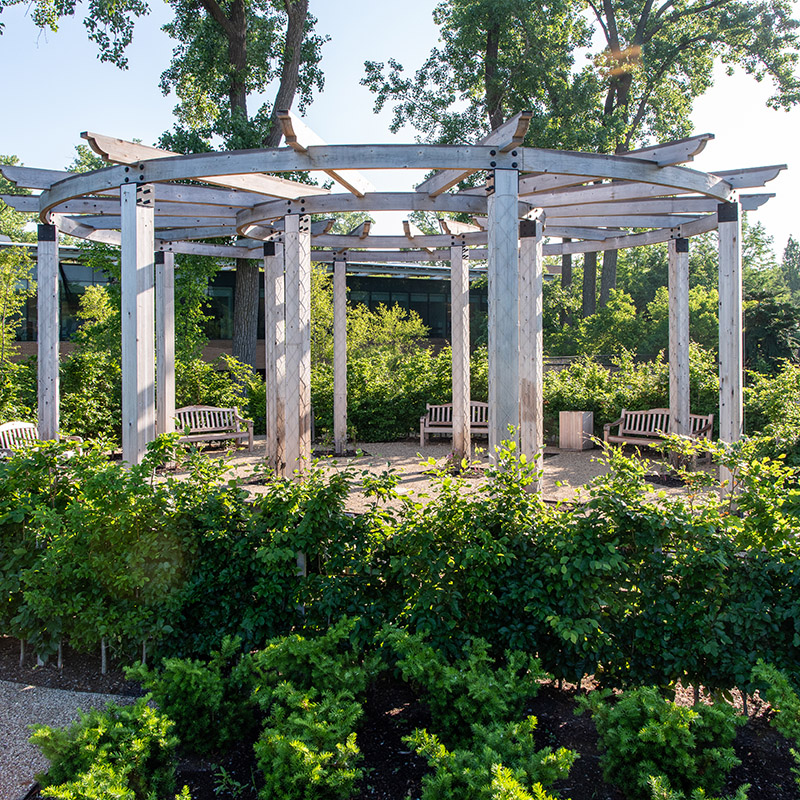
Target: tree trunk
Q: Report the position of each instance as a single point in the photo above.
(608, 278)
(589, 284)
(290, 69)
(494, 98)
(245, 311)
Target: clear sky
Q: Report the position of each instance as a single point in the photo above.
(55, 87)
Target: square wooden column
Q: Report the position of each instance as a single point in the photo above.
(339, 355)
(297, 257)
(531, 344)
(275, 354)
(731, 328)
(138, 312)
(503, 188)
(678, 284)
(459, 343)
(165, 342)
(48, 335)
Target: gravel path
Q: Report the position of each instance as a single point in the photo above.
(22, 705)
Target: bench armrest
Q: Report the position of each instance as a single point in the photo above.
(609, 425)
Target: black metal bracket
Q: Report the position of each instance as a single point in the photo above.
(47, 233)
(727, 212)
(681, 245)
(527, 228)
(269, 248)
(160, 257)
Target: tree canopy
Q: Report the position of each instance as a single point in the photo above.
(604, 75)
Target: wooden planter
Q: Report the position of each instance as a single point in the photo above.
(575, 429)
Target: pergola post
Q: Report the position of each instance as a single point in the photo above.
(275, 354)
(138, 339)
(297, 255)
(531, 345)
(459, 343)
(339, 354)
(678, 285)
(48, 331)
(165, 342)
(731, 329)
(503, 268)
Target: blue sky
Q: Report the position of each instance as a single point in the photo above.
(62, 89)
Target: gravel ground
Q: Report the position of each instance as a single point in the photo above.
(24, 705)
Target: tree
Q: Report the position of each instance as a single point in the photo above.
(790, 267)
(503, 56)
(226, 51)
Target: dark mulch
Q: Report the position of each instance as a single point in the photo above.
(392, 771)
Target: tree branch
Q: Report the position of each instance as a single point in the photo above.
(218, 15)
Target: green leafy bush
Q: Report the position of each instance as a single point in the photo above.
(308, 746)
(501, 762)
(210, 701)
(471, 691)
(660, 790)
(122, 751)
(642, 735)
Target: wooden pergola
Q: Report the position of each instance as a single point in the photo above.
(154, 203)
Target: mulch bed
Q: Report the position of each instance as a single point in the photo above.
(392, 771)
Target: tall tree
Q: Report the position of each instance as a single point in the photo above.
(498, 57)
(227, 51)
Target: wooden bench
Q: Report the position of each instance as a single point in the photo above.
(209, 424)
(647, 428)
(15, 435)
(439, 419)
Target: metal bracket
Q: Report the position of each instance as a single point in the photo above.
(159, 257)
(47, 233)
(728, 212)
(681, 245)
(269, 248)
(527, 228)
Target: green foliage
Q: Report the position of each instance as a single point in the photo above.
(16, 286)
(208, 700)
(123, 751)
(502, 762)
(782, 696)
(326, 663)
(308, 747)
(470, 692)
(642, 735)
(660, 790)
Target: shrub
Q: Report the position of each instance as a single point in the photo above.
(210, 701)
(501, 762)
(471, 691)
(308, 746)
(123, 751)
(642, 735)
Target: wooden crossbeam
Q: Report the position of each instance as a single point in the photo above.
(508, 136)
(677, 152)
(362, 230)
(120, 151)
(414, 234)
(456, 228)
(300, 137)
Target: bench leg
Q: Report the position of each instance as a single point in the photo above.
(422, 434)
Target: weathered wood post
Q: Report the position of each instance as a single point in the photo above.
(275, 354)
(165, 342)
(678, 284)
(731, 329)
(297, 255)
(459, 342)
(531, 345)
(138, 312)
(48, 331)
(503, 188)
(340, 354)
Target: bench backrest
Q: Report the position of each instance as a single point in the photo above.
(478, 413)
(644, 423)
(17, 434)
(206, 419)
(656, 420)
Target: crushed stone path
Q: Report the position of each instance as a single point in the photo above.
(22, 705)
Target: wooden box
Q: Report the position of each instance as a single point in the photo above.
(575, 429)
